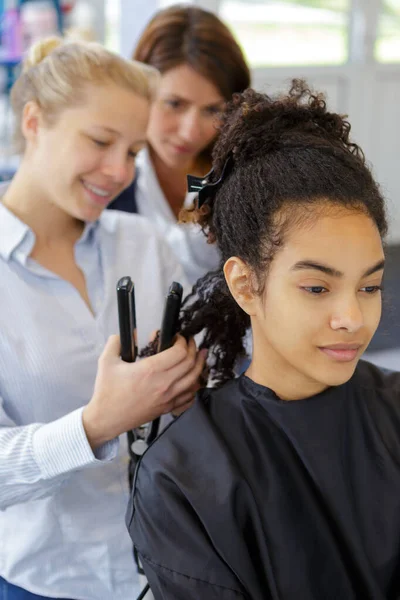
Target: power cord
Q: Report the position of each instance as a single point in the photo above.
(143, 592)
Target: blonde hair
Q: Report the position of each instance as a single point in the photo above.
(56, 72)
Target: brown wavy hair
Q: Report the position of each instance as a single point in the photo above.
(188, 35)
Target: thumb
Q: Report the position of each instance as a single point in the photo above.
(112, 349)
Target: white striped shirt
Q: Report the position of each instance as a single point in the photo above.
(62, 509)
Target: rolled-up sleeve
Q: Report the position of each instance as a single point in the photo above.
(36, 459)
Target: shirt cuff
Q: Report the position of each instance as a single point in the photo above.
(61, 446)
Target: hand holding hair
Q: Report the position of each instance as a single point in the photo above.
(127, 395)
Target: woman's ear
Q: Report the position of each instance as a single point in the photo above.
(239, 279)
(31, 119)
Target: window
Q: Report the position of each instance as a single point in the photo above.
(166, 3)
(112, 25)
(290, 32)
(387, 46)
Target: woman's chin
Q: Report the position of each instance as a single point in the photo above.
(338, 374)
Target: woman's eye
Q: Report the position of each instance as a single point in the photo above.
(213, 110)
(100, 143)
(317, 290)
(173, 103)
(132, 154)
(372, 289)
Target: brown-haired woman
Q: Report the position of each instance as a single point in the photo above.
(283, 484)
(201, 67)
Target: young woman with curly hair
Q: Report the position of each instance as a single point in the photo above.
(283, 483)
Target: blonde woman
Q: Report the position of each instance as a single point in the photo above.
(65, 395)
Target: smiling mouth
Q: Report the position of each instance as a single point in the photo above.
(98, 194)
(97, 190)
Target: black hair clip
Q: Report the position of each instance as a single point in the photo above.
(205, 190)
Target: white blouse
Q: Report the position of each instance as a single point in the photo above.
(187, 240)
(62, 507)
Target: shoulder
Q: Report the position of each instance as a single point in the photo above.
(380, 380)
(378, 390)
(198, 436)
(176, 484)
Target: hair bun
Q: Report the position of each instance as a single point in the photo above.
(39, 50)
(255, 124)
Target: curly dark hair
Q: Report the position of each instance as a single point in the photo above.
(285, 152)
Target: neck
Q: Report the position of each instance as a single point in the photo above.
(270, 369)
(50, 224)
(173, 181)
(173, 174)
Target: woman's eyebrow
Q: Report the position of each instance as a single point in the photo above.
(106, 129)
(316, 266)
(378, 267)
(141, 142)
(214, 104)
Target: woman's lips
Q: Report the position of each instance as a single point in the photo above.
(182, 149)
(341, 353)
(102, 199)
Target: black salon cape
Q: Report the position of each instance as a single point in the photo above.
(248, 496)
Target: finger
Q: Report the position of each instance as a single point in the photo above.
(197, 384)
(200, 361)
(189, 380)
(170, 358)
(204, 353)
(183, 401)
(192, 348)
(112, 348)
(195, 387)
(187, 365)
(191, 376)
(180, 371)
(193, 358)
(182, 407)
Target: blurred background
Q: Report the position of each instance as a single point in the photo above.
(348, 48)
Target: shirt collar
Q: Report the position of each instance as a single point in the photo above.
(15, 235)
(17, 238)
(88, 232)
(145, 170)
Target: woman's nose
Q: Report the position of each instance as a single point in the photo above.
(120, 169)
(348, 316)
(191, 128)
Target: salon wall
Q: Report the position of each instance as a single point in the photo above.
(370, 95)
